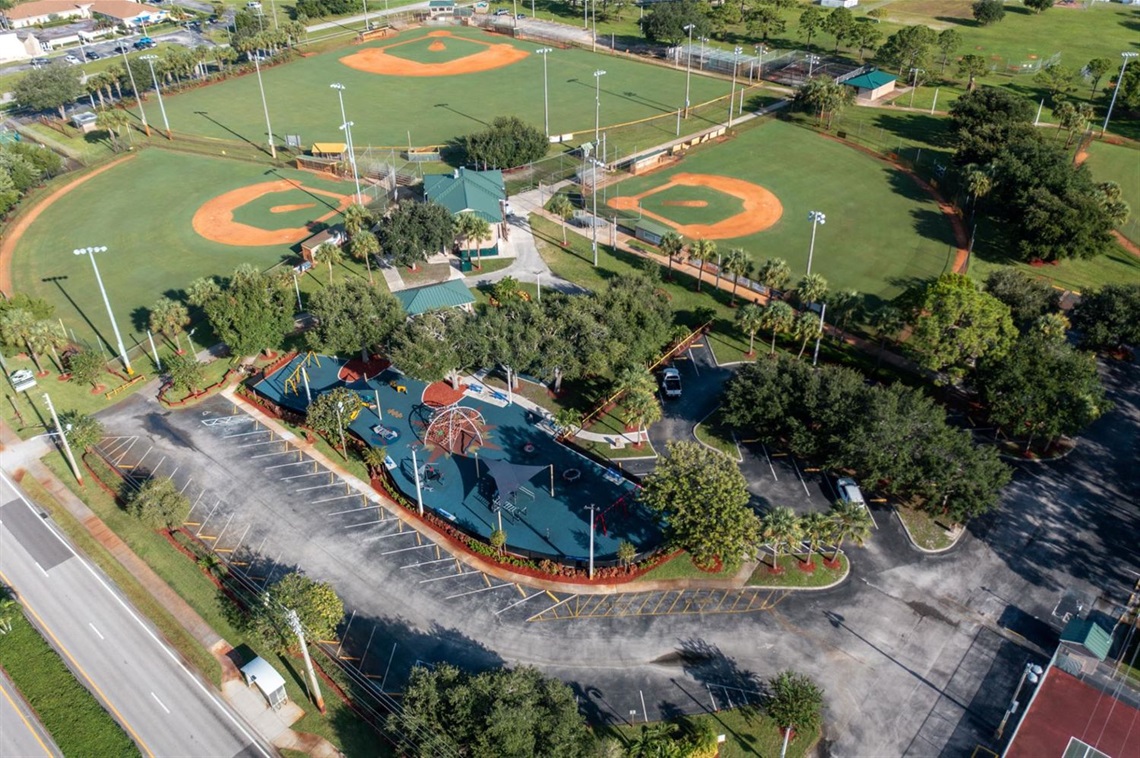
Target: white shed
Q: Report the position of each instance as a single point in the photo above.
(271, 684)
(838, 3)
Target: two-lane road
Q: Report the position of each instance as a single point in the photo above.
(165, 708)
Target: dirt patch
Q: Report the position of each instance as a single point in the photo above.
(16, 231)
(215, 219)
(290, 208)
(761, 208)
(437, 46)
(687, 203)
(375, 60)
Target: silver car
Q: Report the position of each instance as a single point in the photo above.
(849, 491)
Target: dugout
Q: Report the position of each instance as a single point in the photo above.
(329, 150)
(650, 231)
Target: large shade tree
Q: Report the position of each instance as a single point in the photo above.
(352, 316)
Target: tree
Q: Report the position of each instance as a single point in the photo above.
(508, 143)
(626, 553)
(497, 540)
(638, 318)
(764, 21)
(114, 121)
(1109, 318)
(780, 528)
(971, 66)
(251, 312)
(316, 604)
(1056, 78)
(849, 521)
(424, 348)
(375, 458)
(822, 94)
(1110, 196)
(48, 88)
(475, 229)
(979, 183)
(19, 326)
(949, 40)
(1096, 69)
(672, 245)
(351, 316)
(357, 219)
(9, 608)
(842, 306)
(330, 254)
(750, 319)
(795, 702)
(202, 290)
(811, 21)
(985, 121)
(878, 14)
(1042, 389)
(866, 37)
(908, 48)
(158, 504)
(736, 264)
(185, 372)
(1038, 5)
(330, 414)
(40, 309)
(806, 328)
(665, 23)
(811, 289)
(169, 317)
(655, 741)
(1027, 298)
(85, 366)
(701, 251)
(561, 207)
(779, 318)
(774, 274)
(840, 23)
(362, 246)
(83, 431)
(988, 12)
(958, 324)
(413, 231)
(814, 527)
(641, 409)
(501, 713)
(704, 499)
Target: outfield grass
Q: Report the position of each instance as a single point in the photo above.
(390, 111)
(883, 233)
(74, 718)
(142, 210)
(1120, 164)
(1116, 266)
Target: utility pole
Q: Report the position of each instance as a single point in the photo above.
(314, 685)
(592, 509)
(62, 433)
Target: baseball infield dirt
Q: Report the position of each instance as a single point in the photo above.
(761, 207)
(215, 219)
(375, 60)
(290, 208)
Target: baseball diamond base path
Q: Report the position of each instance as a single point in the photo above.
(761, 208)
(215, 219)
(13, 235)
(375, 60)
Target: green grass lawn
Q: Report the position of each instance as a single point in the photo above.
(924, 528)
(682, 567)
(74, 718)
(1115, 266)
(390, 111)
(793, 576)
(882, 234)
(1120, 164)
(748, 732)
(142, 210)
(713, 432)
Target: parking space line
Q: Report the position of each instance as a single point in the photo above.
(796, 466)
(283, 465)
(448, 576)
(263, 442)
(375, 537)
(302, 476)
(693, 362)
(425, 563)
(338, 497)
(317, 487)
(274, 454)
(481, 589)
(245, 434)
(769, 459)
(366, 523)
(404, 549)
(356, 510)
(519, 602)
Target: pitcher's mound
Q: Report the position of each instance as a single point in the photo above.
(290, 208)
(437, 46)
(687, 203)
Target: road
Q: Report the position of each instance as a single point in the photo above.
(167, 710)
(20, 732)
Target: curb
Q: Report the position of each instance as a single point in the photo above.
(914, 543)
(1021, 459)
(739, 456)
(833, 585)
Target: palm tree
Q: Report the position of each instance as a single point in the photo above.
(169, 317)
(374, 458)
(202, 290)
(633, 379)
(19, 325)
(567, 419)
(978, 183)
(49, 335)
(498, 539)
(774, 274)
(806, 328)
(750, 319)
(480, 229)
(779, 317)
(813, 527)
(113, 120)
(736, 263)
(888, 321)
(561, 207)
(842, 306)
(363, 246)
(811, 289)
(701, 251)
(780, 527)
(654, 741)
(330, 254)
(641, 409)
(671, 244)
(626, 553)
(849, 521)
(356, 218)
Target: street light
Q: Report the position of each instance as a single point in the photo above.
(914, 85)
(367, 23)
(597, 103)
(134, 87)
(545, 51)
(736, 51)
(150, 59)
(1116, 90)
(760, 50)
(1033, 673)
(593, 520)
(346, 127)
(688, 66)
(704, 41)
(813, 61)
(90, 253)
(817, 218)
(265, 106)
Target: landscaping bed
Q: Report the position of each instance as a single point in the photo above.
(925, 530)
(793, 575)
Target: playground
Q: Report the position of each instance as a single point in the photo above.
(405, 89)
(754, 191)
(166, 218)
(480, 460)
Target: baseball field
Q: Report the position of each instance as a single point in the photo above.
(166, 219)
(429, 86)
(882, 231)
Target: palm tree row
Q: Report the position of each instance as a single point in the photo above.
(781, 528)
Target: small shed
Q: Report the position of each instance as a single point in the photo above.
(272, 685)
(838, 3)
(650, 231)
(872, 85)
(333, 150)
(435, 297)
(1086, 641)
(334, 234)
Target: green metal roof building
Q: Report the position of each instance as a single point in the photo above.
(478, 192)
(435, 297)
(872, 85)
(1089, 635)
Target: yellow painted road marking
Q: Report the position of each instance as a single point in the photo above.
(20, 713)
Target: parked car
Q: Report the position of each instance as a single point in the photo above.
(91, 55)
(671, 382)
(503, 12)
(72, 59)
(37, 62)
(122, 47)
(145, 43)
(22, 379)
(849, 491)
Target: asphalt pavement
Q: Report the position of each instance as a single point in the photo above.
(116, 654)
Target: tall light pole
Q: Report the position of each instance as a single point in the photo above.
(1033, 673)
(760, 50)
(265, 106)
(704, 42)
(736, 51)
(813, 61)
(367, 23)
(597, 104)
(150, 59)
(90, 253)
(592, 522)
(689, 66)
(1116, 90)
(134, 87)
(914, 84)
(62, 433)
(817, 218)
(545, 51)
(346, 126)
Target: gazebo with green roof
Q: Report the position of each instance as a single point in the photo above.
(435, 297)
